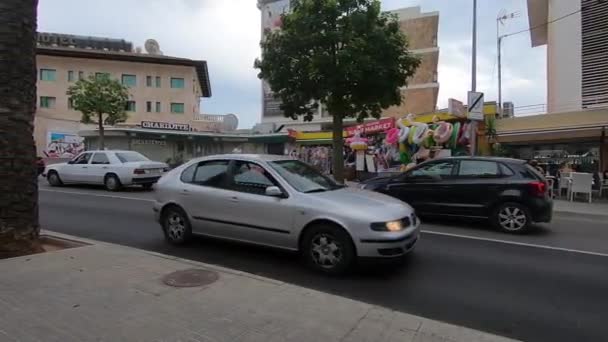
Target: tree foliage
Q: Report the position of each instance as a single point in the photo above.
(345, 54)
(101, 100)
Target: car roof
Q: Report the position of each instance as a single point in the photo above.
(500, 159)
(250, 157)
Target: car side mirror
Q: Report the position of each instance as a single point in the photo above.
(274, 191)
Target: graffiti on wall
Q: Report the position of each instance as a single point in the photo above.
(63, 145)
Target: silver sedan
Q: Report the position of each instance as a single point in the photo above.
(281, 202)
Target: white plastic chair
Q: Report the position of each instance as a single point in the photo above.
(581, 183)
(564, 183)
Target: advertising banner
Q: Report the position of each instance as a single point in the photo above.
(371, 127)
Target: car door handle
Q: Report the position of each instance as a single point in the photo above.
(234, 199)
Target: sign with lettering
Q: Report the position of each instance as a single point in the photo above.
(372, 127)
(83, 42)
(165, 125)
(149, 142)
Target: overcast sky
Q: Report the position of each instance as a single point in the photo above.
(226, 34)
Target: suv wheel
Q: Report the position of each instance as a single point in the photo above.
(176, 226)
(512, 217)
(328, 249)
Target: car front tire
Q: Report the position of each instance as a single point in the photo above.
(513, 218)
(328, 249)
(176, 225)
(53, 179)
(112, 183)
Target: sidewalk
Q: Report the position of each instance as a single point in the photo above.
(596, 208)
(105, 292)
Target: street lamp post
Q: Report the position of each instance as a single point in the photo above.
(474, 49)
(500, 20)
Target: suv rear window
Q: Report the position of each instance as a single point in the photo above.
(530, 172)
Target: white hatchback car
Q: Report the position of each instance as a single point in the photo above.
(282, 202)
(114, 169)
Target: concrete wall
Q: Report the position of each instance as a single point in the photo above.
(564, 57)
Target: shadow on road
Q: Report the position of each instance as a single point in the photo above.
(481, 225)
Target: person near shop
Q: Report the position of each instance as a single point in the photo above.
(534, 164)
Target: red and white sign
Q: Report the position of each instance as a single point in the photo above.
(371, 127)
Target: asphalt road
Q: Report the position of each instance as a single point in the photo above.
(551, 285)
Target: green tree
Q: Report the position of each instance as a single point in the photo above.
(345, 54)
(101, 100)
(19, 228)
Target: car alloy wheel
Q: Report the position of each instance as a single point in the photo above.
(176, 226)
(53, 179)
(112, 183)
(512, 218)
(325, 251)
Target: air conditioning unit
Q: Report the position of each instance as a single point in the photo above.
(507, 110)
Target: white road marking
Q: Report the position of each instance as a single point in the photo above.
(97, 195)
(523, 244)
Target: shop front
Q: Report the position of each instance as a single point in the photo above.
(175, 146)
(393, 145)
(576, 139)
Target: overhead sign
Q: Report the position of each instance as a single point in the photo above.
(149, 142)
(165, 125)
(475, 106)
(371, 127)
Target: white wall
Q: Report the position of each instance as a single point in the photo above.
(564, 57)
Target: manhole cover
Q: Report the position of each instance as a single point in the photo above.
(190, 278)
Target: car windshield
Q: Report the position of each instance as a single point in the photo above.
(303, 177)
(126, 157)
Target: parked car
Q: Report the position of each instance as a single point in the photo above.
(281, 202)
(114, 169)
(508, 192)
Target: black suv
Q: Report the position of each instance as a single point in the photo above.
(509, 192)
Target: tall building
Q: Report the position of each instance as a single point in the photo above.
(576, 35)
(420, 96)
(164, 90)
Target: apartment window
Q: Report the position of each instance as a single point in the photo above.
(48, 74)
(70, 75)
(177, 82)
(157, 107)
(148, 81)
(100, 75)
(130, 106)
(81, 75)
(129, 80)
(148, 106)
(157, 81)
(47, 102)
(177, 107)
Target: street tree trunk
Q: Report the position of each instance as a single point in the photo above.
(102, 143)
(338, 146)
(19, 227)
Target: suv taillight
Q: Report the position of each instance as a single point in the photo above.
(538, 189)
(139, 172)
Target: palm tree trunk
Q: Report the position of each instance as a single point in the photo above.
(19, 227)
(102, 143)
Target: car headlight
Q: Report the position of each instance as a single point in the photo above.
(391, 226)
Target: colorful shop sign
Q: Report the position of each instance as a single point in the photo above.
(371, 127)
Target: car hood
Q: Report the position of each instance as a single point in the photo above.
(353, 201)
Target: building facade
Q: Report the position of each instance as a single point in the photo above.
(576, 35)
(420, 96)
(164, 91)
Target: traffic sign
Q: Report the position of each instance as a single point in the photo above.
(475, 106)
